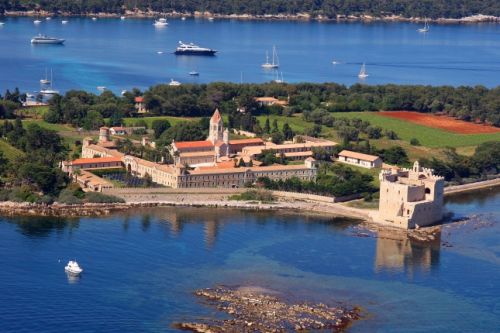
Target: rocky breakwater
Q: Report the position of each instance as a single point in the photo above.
(257, 310)
(27, 209)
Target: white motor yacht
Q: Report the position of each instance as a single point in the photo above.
(162, 22)
(73, 268)
(122, 17)
(174, 83)
(37, 21)
(64, 22)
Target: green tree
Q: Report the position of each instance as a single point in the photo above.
(159, 126)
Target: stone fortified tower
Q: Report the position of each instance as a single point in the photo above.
(410, 198)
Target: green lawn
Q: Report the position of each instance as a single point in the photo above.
(149, 120)
(429, 137)
(49, 126)
(10, 152)
(36, 112)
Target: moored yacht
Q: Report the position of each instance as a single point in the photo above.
(274, 64)
(73, 268)
(161, 22)
(42, 39)
(37, 21)
(193, 49)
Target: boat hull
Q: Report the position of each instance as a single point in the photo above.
(195, 53)
(54, 42)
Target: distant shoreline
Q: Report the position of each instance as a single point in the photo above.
(210, 200)
(268, 17)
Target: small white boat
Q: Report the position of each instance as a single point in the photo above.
(279, 79)
(2, 23)
(183, 18)
(425, 28)
(48, 18)
(194, 73)
(122, 17)
(274, 64)
(362, 73)
(101, 88)
(210, 18)
(64, 22)
(159, 52)
(162, 22)
(94, 19)
(37, 21)
(73, 268)
(335, 62)
(174, 83)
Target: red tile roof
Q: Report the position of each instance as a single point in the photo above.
(139, 99)
(193, 144)
(96, 160)
(359, 156)
(246, 141)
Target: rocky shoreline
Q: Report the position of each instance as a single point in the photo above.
(479, 18)
(260, 310)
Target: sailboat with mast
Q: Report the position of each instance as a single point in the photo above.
(363, 73)
(279, 79)
(46, 87)
(275, 63)
(425, 28)
(45, 81)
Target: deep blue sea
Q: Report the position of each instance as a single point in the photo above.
(142, 267)
(121, 55)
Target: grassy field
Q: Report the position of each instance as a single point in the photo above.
(149, 120)
(428, 137)
(10, 152)
(35, 112)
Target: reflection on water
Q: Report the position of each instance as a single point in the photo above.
(43, 226)
(73, 278)
(396, 252)
(144, 264)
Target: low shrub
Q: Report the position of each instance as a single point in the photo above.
(97, 197)
(254, 195)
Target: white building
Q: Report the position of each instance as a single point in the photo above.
(359, 159)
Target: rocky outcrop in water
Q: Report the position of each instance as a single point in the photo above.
(254, 310)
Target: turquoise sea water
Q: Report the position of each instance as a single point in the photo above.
(141, 269)
(123, 54)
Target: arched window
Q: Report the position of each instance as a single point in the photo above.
(427, 190)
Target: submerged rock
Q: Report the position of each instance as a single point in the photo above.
(255, 310)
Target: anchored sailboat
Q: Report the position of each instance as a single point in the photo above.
(362, 73)
(46, 80)
(46, 86)
(275, 63)
(425, 28)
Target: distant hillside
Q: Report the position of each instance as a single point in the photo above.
(329, 8)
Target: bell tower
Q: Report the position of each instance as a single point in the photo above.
(216, 132)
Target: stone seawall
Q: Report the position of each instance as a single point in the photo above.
(27, 209)
(450, 190)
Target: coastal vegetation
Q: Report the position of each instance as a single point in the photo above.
(34, 175)
(254, 195)
(336, 180)
(475, 104)
(324, 8)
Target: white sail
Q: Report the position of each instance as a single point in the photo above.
(362, 73)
